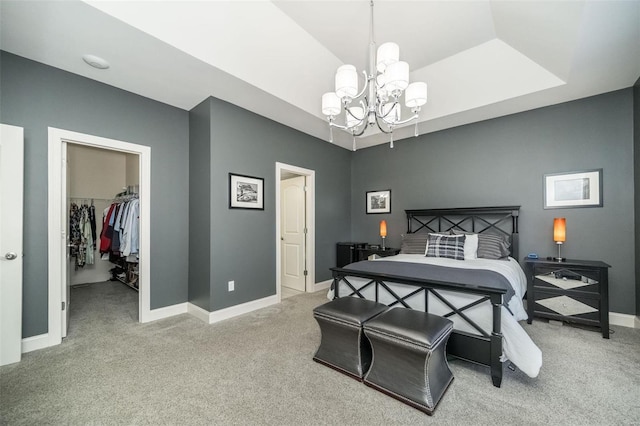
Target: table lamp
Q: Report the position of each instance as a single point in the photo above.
(383, 231)
(559, 235)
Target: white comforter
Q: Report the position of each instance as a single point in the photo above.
(517, 345)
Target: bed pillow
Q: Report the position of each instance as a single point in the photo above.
(493, 246)
(470, 243)
(449, 246)
(414, 243)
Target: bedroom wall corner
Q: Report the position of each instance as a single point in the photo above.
(200, 206)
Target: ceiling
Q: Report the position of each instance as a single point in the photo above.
(480, 59)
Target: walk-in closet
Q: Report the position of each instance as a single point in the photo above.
(102, 228)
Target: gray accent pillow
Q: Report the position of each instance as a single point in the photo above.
(490, 246)
(493, 246)
(449, 246)
(414, 243)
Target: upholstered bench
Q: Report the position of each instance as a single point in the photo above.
(409, 359)
(343, 346)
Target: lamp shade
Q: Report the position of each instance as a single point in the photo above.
(416, 95)
(346, 82)
(383, 228)
(559, 230)
(330, 104)
(396, 76)
(388, 53)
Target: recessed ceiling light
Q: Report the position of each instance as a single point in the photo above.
(96, 62)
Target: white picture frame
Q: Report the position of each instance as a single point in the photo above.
(573, 189)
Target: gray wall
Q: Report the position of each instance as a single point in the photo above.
(636, 156)
(242, 242)
(35, 96)
(501, 162)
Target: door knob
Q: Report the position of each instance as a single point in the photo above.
(10, 255)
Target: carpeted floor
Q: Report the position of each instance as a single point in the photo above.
(257, 369)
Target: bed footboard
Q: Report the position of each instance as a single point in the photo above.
(482, 347)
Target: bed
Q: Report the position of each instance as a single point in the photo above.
(481, 295)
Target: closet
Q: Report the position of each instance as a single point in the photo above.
(103, 211)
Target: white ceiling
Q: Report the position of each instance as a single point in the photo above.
(480, 59)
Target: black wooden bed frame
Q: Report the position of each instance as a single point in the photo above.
(484, 348)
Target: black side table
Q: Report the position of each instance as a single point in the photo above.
(364, 252)
(575, 291)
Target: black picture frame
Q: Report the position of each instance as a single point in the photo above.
(378, 202)
(573, 189)
(246, 192)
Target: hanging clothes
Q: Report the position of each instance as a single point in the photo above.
(81, 242)
(120, 230)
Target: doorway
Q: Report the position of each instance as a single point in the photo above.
(57, 209)
(297, 248)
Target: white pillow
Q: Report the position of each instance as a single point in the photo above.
(471, 246)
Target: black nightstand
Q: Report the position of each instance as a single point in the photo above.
(364, 252)
(575, 291)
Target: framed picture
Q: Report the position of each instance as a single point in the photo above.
(573, 189)
(246, 192)
(379, 201)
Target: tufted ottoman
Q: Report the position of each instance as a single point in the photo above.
(409, 359)
(343, 345)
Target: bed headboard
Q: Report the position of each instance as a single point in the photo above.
(495, 220)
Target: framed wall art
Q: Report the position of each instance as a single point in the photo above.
(379, 201)
(246, 192)
(573, 189)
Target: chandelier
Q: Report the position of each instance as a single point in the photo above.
(378, 103)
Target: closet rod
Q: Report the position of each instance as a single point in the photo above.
(91, 198)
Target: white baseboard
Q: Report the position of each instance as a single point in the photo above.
(244, 308)
(34, 343)
(165, 312)
(624, 320)
(322, 285)
(232, 311)
(198, 312)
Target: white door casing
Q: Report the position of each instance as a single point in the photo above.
(66, 293)
(57, 218)
(281, 169)
(11, 206)
(293, 228)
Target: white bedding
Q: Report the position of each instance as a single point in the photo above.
(517, 345)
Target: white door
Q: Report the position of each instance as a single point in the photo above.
(11, 187)
(293, 229)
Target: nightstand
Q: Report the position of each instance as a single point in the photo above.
(364, 252)
(575, 291)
